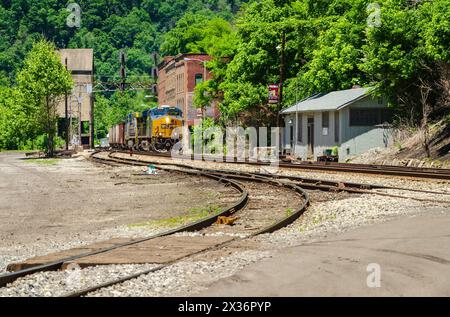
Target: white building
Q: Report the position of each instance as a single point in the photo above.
(354, 120)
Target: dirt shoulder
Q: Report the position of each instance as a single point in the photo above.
(47, 205)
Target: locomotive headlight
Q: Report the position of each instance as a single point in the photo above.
(167, 120)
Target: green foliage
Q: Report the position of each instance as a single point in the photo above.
(194, 214)
(16, 128)
(113, 110)
(203, 137)
(42, 142)
(43, 161)
(42, 82)
(195, 33)
(407, 51)
(107, 26)
(328, 46)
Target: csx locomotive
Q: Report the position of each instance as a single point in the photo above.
(153, 129)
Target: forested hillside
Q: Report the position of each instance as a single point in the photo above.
(106, 25)
(138, 27)
(400, 46)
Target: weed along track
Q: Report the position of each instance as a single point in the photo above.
(263, 205)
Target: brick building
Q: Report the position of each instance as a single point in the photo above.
(177, 78)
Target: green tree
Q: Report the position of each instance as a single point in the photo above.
(43, 81)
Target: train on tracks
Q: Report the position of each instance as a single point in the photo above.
(156, 129)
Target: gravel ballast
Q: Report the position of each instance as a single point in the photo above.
(61, 283)
(190, 276)
(184, 278)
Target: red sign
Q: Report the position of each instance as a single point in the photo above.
(273, 93)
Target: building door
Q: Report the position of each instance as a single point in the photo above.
(310, 137)
(291, 138)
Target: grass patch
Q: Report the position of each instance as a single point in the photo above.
(288, 212)
(194, 214)
(17, 151)
(42, 161)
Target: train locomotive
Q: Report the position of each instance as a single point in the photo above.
(156, 129)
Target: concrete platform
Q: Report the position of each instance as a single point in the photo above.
(413, 254)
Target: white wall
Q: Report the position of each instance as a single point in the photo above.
(323, 141)
(353, 140)
(300, 147)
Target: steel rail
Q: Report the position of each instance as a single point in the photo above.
(306, 183)
(268, 229)
(194, 226)
(261, 177)
(391, 170)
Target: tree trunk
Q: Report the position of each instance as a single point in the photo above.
(425, 89)
(426, 137)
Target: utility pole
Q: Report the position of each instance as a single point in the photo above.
(66, 123)
(80, 123)
(91, 113)
(155, 74)
(123, 72)
(280, 96)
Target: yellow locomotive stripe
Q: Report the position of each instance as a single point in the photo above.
(163, 127)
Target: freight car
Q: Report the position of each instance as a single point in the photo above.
(154, 129)
(117, 136)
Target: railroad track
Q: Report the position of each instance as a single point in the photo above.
(388, 170)
(246, 211)
(242, 208)
(55, 265)
(305, 183)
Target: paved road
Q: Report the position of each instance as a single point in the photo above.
(413, 254)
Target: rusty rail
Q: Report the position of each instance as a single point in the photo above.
(271, 228)
(197, 225)
(390, 170)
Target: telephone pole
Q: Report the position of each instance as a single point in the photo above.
(155, 74)
(66, 123)
(123, 71)
(280, 100)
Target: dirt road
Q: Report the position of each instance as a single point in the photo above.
(67, 198)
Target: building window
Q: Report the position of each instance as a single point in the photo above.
(336, 127)
(198, 79)
(369, 117)
(325, 119)
(84, 127)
